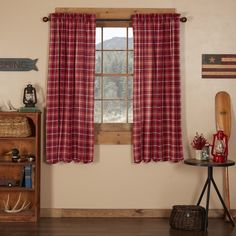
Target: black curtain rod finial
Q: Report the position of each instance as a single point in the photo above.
(183, 19)
(46, 19)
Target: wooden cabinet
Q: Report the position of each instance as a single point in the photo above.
(13, 174)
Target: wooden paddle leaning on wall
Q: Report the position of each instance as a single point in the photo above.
(223, 122)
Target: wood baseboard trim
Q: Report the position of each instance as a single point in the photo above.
(46, 212)
(133, 213)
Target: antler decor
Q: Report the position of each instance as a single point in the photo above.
(14, 209)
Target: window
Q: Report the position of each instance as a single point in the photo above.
(114, 75)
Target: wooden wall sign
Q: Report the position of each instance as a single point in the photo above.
(18, 64)
(219, 66)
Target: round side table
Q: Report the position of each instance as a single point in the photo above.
(210, 165)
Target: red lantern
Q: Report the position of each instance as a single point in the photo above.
(219, 149)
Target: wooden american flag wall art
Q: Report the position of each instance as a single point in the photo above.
(218, 66)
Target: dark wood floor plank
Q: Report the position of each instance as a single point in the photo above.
(109, 227)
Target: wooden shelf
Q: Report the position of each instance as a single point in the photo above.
(25, 212)
(26, 215)
(7, 163)
(17, 138)
(19, 189)
(16, 171)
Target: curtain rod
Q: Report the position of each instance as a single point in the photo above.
(46, 19)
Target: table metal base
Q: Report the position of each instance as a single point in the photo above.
(207, 185)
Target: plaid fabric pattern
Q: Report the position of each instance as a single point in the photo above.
(70, 88)
(157, 100)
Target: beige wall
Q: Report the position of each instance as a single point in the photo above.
(113, 181)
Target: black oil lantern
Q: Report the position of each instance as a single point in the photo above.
(29, 98)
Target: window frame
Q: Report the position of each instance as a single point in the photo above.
(114, 133)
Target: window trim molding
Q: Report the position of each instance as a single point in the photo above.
(114, 13)
(113, 133)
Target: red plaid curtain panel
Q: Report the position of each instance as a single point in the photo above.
(70, 88)
(157, 100)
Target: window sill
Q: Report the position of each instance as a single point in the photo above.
(113, 133)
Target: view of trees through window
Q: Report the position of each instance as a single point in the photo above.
(114, 75)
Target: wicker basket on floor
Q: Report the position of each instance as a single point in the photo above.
(17, 126)
(187, 217)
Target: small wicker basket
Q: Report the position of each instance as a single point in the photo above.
(17, 126)
(188, 217)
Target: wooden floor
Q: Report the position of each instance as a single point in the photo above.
(108, 226)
